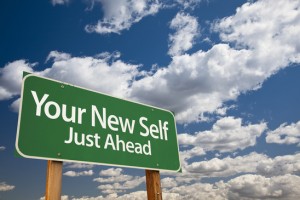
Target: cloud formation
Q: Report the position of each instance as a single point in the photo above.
(59, 2)
(119, 15)
(259, 187)
(5, 187)
(72, 165)
(113, 181)
(192, 85)
(251, 163)
(285, 134)
(95, 73)
(243, 187)
(188, 4)
(186, 30)
(11, 78)
(227, 135)
(111, 172)
(81, 173)
(199, 83)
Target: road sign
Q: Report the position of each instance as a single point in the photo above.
(59, 121)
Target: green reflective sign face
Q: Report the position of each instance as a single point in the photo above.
(58, 121)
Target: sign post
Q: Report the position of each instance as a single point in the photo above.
(53, 180)
(153, 185)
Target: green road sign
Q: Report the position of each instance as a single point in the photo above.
(59, 121)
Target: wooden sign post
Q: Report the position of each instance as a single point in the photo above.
(53, 180)
(153, 185)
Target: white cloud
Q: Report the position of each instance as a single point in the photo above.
(186, 30)
(200, 191)
(2, 148)
(5, 187)
(285, 134)
(118, 187)
(15, 105)
(244, 187)
(111, 172)
(58, 56)
(11, 78)
(59, 2)
(200, 83)
(260, 27)
(227, 166)
(116, 182)
(252, 163)
(259, 187)
(63, 197)
(114, 179)
(168, 182)
(188, 154)
(137, 195)
(119, 15)
(188, 4)
(192, 84)
(280, 165)
(227, 135)
(82, 173)
(93, 73)
(77, 165)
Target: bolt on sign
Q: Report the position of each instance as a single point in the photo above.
(59, 121)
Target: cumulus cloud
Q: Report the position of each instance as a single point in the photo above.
(59, 2)
(188, 4)
(81, 173)
(186, 30)
(193, 152)
(280, 165)
(63, 197)
(199, 83)
(11, 78)
(119, 15)
(58, 56)
(5, 187)
(285, 134)
(118, 187)
(168, 182)
(89, 72)
(114, 181)
(192, 85)
(77, 165)
(231, 166)
(243, 187)
(111, 172)
(2, 148)
(227, 135)
(137, 195)
(200, 191)
(93, 73)
(259, 187)
(259, 27)
(227, 166)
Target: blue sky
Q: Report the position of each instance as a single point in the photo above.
(228, 69)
